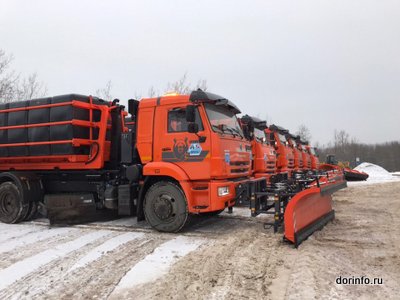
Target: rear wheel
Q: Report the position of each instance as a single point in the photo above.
(12, 208)
(165, 207)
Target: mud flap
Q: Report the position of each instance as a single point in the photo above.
(310, 210)
(66, 209)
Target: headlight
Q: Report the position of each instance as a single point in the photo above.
(223, 191)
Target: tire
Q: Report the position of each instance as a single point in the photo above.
(165, 207)
(33, 208)
(12, 207)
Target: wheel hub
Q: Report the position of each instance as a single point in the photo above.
(163, 207)
(6, 203)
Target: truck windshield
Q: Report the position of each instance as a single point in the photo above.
(282, 138)
(312, 150)
(223, 120)
(260, 135)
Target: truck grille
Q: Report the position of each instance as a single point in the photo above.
(238, 167)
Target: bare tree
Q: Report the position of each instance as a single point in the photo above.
(182, 86)
(201, 84)
(152, 92)
(8, 79)
(15, 88)
(341, 138)
(30, 88)
(304, 132)
(105, 92)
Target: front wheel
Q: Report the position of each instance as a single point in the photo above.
(165, 207)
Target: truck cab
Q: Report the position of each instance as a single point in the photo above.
(297, 152)
(191, 145)
(313, 157)
(284, 153)
(263, 153)
(305, 154)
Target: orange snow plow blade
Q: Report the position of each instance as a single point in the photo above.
(311, 209)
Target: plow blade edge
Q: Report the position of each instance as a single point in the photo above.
(309, 210)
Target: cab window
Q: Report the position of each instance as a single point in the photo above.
(177, 120)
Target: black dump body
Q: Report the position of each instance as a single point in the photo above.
(47, 114)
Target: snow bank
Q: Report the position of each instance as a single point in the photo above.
(376, 173)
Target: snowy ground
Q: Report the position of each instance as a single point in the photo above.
(225, 257)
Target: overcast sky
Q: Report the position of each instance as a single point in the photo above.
(327, 64)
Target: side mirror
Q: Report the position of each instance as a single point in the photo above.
(193, 128)
(246, 132)
(133, 106)
(272, 137)
(190, 113)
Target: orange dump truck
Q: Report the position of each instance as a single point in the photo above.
(263, 153)
(284, 152)
(313, 156)
(73, 156)
(297, 153)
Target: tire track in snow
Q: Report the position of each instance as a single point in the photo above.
(10, 231)
(9, 258)
(155, 264)
(96, 280)
(33, 238)
(106, 247)
(24, 267)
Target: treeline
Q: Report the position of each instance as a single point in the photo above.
(386, 155)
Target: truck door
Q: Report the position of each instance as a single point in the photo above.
(180, 147)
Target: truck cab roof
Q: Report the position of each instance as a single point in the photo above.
(279, 129)
(197, 96)
(256, 122)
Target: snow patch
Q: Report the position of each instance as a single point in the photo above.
(108, 246)
(158, 263)
(24, 267)
(8, 231)
(33, 237)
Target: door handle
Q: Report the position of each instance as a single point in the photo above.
(166, 149)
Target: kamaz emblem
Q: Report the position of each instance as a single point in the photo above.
(227, 156)
(182, 152)
(194, 149)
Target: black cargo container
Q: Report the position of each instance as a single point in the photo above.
(47, 133)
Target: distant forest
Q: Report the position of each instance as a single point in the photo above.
(386, 155)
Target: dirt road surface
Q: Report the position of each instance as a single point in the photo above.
(225, 257)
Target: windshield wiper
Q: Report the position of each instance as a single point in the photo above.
(224, 129)
(231, 130)
(217, 128)
(237, 131)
